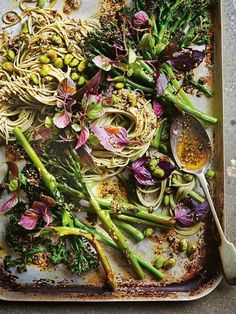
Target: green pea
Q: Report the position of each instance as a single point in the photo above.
(153, 164)
(169, 263)
(192, 248)
(82, 66)
(159, 262)
(158, 173)
(11, 54)
(14, 184)
(52, 54)
(68, 58)
(166, 200)
(34, 79)
(58, 63)
(81, 81)
(8, 66)
(57, 40)
(74, 63)
(148, 232)
(119, 85)
(44, 59)
(210, 174)
(163, 148)
(74, 76)
(188, 177)
(41, 3)
(45, 70)
(183, 245)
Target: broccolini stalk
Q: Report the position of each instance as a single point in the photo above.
(65, 231)
(51, 184)
(101, 237)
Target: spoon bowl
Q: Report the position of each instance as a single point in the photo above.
(192, 151)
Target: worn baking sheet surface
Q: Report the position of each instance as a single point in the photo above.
(185, 282)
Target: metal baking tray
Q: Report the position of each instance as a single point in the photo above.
(185, 283)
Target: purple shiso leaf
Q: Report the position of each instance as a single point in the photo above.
(62, 119)
(200, 209)
(141, 174)
(82, 137)
(113, 139)
(140, 19)
(66, 88)
(47, 217)
(85, 157)
(103, 63)
(158, 109)
(186, 60)
(29, 219)
(8, 201)
(184, 215)
(161, 84)
(92, 85)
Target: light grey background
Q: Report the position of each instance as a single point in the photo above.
(223, 299)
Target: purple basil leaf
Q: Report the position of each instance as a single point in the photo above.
(141, 174)
(161, 84)
(200, 209)
(82, 137)
(85, 157)
(92, 85)
(29, 219)
(186, 60)
(8, 201)
(158, 109)
(62, 119)
(184, 215)
(103, 63)
(140, 19)
(113, 139)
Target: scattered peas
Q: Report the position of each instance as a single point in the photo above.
(159, 262)
(45, 70)
(192, 248)
(11, 54)
(148, 232)
(169, 263)
(183, 245)
(58, 63)
(68, 58)
(163, 148)
(34, 79)
(14, 184)
(81, 81)
(188, 177)
(153, 164)
(8, 66)
(119, 85)
(57, 40)
(41, 3)
(166, 200)
(74, 76)
(74, 63)
(44, 59)
(82, 66)
(158, 173)
(52, 54)
(210, 174)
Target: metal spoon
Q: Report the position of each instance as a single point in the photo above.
(184, 128)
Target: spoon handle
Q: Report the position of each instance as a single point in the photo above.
(227, 249)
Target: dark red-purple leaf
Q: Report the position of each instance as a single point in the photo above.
(49, 201)
(141, 174)
(92, 85)
(8, 201)
(187, 59)
(85, 157)
(29, 219)
(167, 166)
(184, 215)
(82, 137)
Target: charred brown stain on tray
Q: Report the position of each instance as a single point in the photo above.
(233, 122)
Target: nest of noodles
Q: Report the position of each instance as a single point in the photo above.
(130, 110)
